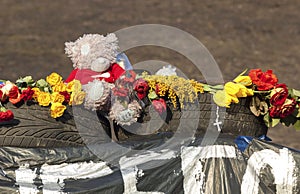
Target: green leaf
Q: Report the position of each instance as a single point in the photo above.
(296, 92)
(297, 125)
(275, 122)
(267, 120)
(243, 72)
(254, 106)
(258, 107)
(152, 95)
(207, 88)
(217, 87)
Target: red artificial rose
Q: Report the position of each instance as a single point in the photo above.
(66, 95)
(141, 87)
(157, 89)
(159, 105)
(121, 92)
(6, 116)
(27, 94)
(274, 111)
(279, 94)
(129, 76)
(2, 96)
(283, 111)
(288, 108)
(263, 80)
(14, 95)
(13, 92)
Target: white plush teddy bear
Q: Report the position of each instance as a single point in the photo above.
(94, 62)
(94, 57)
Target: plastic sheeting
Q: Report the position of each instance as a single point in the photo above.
(263, 167)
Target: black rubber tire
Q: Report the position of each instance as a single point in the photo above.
(33, 126)
(236, 120)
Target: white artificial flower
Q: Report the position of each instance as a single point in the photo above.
(166, 71)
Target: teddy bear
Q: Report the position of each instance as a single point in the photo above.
(94, 57)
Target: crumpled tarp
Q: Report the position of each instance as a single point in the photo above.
(263, 167)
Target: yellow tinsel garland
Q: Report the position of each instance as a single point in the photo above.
(173, 86)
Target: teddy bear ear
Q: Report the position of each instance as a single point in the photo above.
(111, 38)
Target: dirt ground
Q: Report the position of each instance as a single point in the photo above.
(239, 34)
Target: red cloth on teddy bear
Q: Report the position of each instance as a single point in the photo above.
(86, 75)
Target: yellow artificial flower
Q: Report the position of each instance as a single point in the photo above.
(237, 90)
(232, 88)
(77, 98)
(57, 109)
(198, 87)
(222, 98)
(53, 79)
(44, 98)
(174, 87)
(59, 87)
(57, 97)
(234, 99)
(244, 92)
(244, 80)
(36, 93)
(74, 86)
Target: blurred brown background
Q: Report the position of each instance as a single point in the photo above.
(239, 34)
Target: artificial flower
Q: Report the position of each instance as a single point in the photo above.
(44, 98)
(6, 115)
(12, 92)
(177, 89)
(43, 85)
(263, 80)
(36, 93)
(222, 98)
(198, 87)
(27, 94)
(77, 98)
(125, 115)
(129, 76)
(161, 89)
(28, 79)
(2, 96)
(66, 95)
(232, 88)
(57, 97)
(237, 90)
(284, 110)
(53, 79)
(159, 105)
(74, 86)
(279, 95)
(141, 87)
(7, 87)
(244, 80)
(25, 82)
(234, 91)
(57, 109)
(59, 87)
(120, 91)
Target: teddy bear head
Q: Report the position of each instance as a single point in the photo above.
(93, 51)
